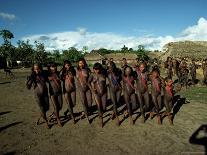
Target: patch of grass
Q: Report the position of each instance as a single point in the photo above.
(198, 94)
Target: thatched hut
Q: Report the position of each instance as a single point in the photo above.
(117, 57)
(93, 57)
(185, 49)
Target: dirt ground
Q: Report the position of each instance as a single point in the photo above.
(19, 133)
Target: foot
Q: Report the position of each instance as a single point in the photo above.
(143, 119)
(126, 114)
(158, 120)
(82, 115)
(151, 115)
(131, 121)
(59, 123)
(117, 121)
(112, 116)
(170, 119)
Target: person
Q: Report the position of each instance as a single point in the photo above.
(195, 139)
(114, 76)
(128, 87)
(55, 90)
(168, 98)
(204, 67)
(156, 82)
(37, 79)
(192, 68)
(97, 84)
(82, 75)
(142, 91)
(67, 75)
(124, 64)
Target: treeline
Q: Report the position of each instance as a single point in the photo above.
(28, 53)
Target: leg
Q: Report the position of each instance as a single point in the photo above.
(103, 102)
(99, 107)
(141, 105)
(84, 103)
(133, 101)
(156, 104)
(128, 104)
(43, 102)
(115, 97)
(68, 98)
(54, 100)
(89, 99)
(146, 101)
(168, 104)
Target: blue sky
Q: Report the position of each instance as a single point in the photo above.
(104, 23)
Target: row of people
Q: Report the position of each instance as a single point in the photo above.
(133, 84)
(183, 70)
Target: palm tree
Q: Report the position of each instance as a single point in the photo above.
(7, 36)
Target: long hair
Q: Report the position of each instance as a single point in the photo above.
(84, 62)
(71, 69)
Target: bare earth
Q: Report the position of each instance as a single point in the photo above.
(19, 133)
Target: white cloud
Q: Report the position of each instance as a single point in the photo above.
(7, 16)
(93, 40)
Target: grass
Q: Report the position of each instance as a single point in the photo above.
(198, 94)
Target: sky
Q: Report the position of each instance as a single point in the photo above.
(110, 24)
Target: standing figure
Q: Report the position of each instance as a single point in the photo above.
(67, 75)
(176, 67)
(192, 68)
(114, 77)
(38, 80)
(82, 75)
(168, 98)
(142, 89)
(97, 83)
(129, 91)
(156, 82)
(169, 66)
(124, 64)
(55, 90)
(204, 67)
(183, 73)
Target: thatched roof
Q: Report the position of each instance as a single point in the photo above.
(154, 54)
(119, 56)
(93, 56)
(186, 49)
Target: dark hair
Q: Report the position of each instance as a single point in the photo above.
(39, 66)
(53, 64)
(97, 66)
(84, 61)
(67, 62)
(167, 79)
(156, 69)
(131, 74)
(123, 58)
(71, 69)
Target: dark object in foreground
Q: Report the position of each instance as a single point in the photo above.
(194, 139)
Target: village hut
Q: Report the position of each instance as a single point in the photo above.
(117, 57)
(93, 57)
(186, 49)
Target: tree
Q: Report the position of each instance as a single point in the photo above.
(142, 53)
(124, 49)
(7, 36)
(85, 49)
(72, 54)
(25, 52)
(40, 55)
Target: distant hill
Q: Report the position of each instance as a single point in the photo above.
(185, 49)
